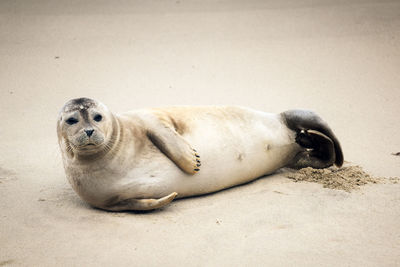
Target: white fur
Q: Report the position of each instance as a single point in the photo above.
(232, 152)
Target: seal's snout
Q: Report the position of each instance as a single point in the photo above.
(89, 132)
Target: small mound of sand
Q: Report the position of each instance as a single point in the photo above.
(346, 178)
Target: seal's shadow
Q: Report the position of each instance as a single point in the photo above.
(78, 203)
(236, 187)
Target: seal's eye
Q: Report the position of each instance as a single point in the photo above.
(98, 117)
(71, 121)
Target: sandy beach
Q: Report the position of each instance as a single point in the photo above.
(339, 58)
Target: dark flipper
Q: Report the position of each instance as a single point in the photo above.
(321, 147)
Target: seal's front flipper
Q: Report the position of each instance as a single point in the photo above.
(176, 149)
(321, 147)
(173, 145)
(141, 204)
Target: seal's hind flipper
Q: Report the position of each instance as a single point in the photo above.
(322, 148)
(319, 151)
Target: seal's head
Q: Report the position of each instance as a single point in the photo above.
(85, 127)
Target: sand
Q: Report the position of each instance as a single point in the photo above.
(346, 178)
(339, 58)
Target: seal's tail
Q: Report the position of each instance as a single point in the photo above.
(321, 147)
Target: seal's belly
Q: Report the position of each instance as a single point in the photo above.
(236, 155)
(232, 152)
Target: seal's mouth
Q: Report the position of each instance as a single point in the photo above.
(88, 146)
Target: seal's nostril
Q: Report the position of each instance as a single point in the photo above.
(89, 132)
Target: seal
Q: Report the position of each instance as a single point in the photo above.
(142, 160)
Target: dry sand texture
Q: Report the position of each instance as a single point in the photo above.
(340, 58)
(346, 178)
